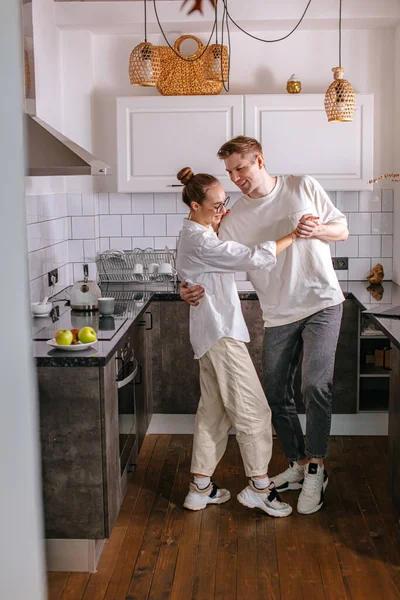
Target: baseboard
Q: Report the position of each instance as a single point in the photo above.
(80, 556)
(358, 424)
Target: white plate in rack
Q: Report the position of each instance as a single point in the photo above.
(72, 348)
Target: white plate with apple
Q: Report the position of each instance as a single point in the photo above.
(74, 340)
(72, 347)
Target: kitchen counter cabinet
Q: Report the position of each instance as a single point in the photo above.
(394, 428)
(83, 487)
(176, 387)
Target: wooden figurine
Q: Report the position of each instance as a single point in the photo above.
(198, 5)
(376, 274)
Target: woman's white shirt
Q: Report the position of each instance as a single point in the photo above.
(202, 258)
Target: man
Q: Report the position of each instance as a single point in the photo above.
(301, 301)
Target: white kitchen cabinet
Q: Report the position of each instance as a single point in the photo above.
(297, 139)
(158, 136)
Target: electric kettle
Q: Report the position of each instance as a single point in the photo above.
(84, 294)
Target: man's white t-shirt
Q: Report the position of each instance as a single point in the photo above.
(304, 280)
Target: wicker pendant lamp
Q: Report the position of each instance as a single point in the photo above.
(340, 99)
(144, 61)
(216, 63)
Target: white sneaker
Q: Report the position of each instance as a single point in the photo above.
(312, 495)
(267, 500)
(291, 479)
(198, 498)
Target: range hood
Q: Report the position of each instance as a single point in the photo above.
(49, 152)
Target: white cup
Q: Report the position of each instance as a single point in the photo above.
(166, 269)
(106, 306)
(138, 270)
(153, 268)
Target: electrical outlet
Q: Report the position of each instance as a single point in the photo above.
(52, 277)
(340, 263)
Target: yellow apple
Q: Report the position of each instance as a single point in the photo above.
(87, 335)
(64, 337)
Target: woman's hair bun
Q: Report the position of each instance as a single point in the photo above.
(185, 175)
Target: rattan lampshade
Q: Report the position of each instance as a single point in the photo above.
(340, 99)
(216, 63)
(144, 65)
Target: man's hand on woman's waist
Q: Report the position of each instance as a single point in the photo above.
(192, 294)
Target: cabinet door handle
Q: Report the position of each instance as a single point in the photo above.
(140, 376)
(151, 320)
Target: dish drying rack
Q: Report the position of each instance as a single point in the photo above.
(117, 266)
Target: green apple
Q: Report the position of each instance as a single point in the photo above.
(64, 337)
(87, 335)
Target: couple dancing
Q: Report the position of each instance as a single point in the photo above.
(301, 301)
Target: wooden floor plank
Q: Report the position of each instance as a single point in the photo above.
(75, 586)
(350, 550)
(226, 557)
(165, 567)
(125, 564)
(56, 584)
(369, 579)
(99, 581)
(380, 536)
(140, 583)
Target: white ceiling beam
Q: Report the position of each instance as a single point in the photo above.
(126, 17)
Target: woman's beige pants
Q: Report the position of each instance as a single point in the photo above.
(231, 395)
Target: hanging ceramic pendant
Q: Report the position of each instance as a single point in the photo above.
(293, 85)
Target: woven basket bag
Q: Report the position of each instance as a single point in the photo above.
(181, 77)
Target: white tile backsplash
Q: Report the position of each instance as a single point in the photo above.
(155, 225)
(132, 225)
(120, 204)
(110, 225)
(67, 230)
(360, 223)
(76, 252)
(83, 228)
(120, 243)
(88, 204)
(161, 242)
(164, 203)
(74, 203)
(387, 246)
(174, 224)
(369, 245)
(89, 250)
(387, 200)
(370, 202)
(359, 268)
(347, 248)
(142, 204)
(347, 201)
(382, 223)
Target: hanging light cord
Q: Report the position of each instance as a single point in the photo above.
(225, 2)
(340, 33)
(173, 49)
(145, 20)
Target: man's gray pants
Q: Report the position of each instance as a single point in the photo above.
(317, 337)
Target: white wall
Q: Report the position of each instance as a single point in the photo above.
(21, 550)
(47, 63)
(77, 67)
(396, 168)
(368, 58)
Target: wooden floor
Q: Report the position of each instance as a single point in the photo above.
(158, 550)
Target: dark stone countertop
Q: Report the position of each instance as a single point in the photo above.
(132, 305)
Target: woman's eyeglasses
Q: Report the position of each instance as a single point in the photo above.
(220, 207)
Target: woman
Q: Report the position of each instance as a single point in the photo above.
(231, 393)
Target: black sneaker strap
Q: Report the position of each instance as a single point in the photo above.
(273, 495)
(214, 490)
